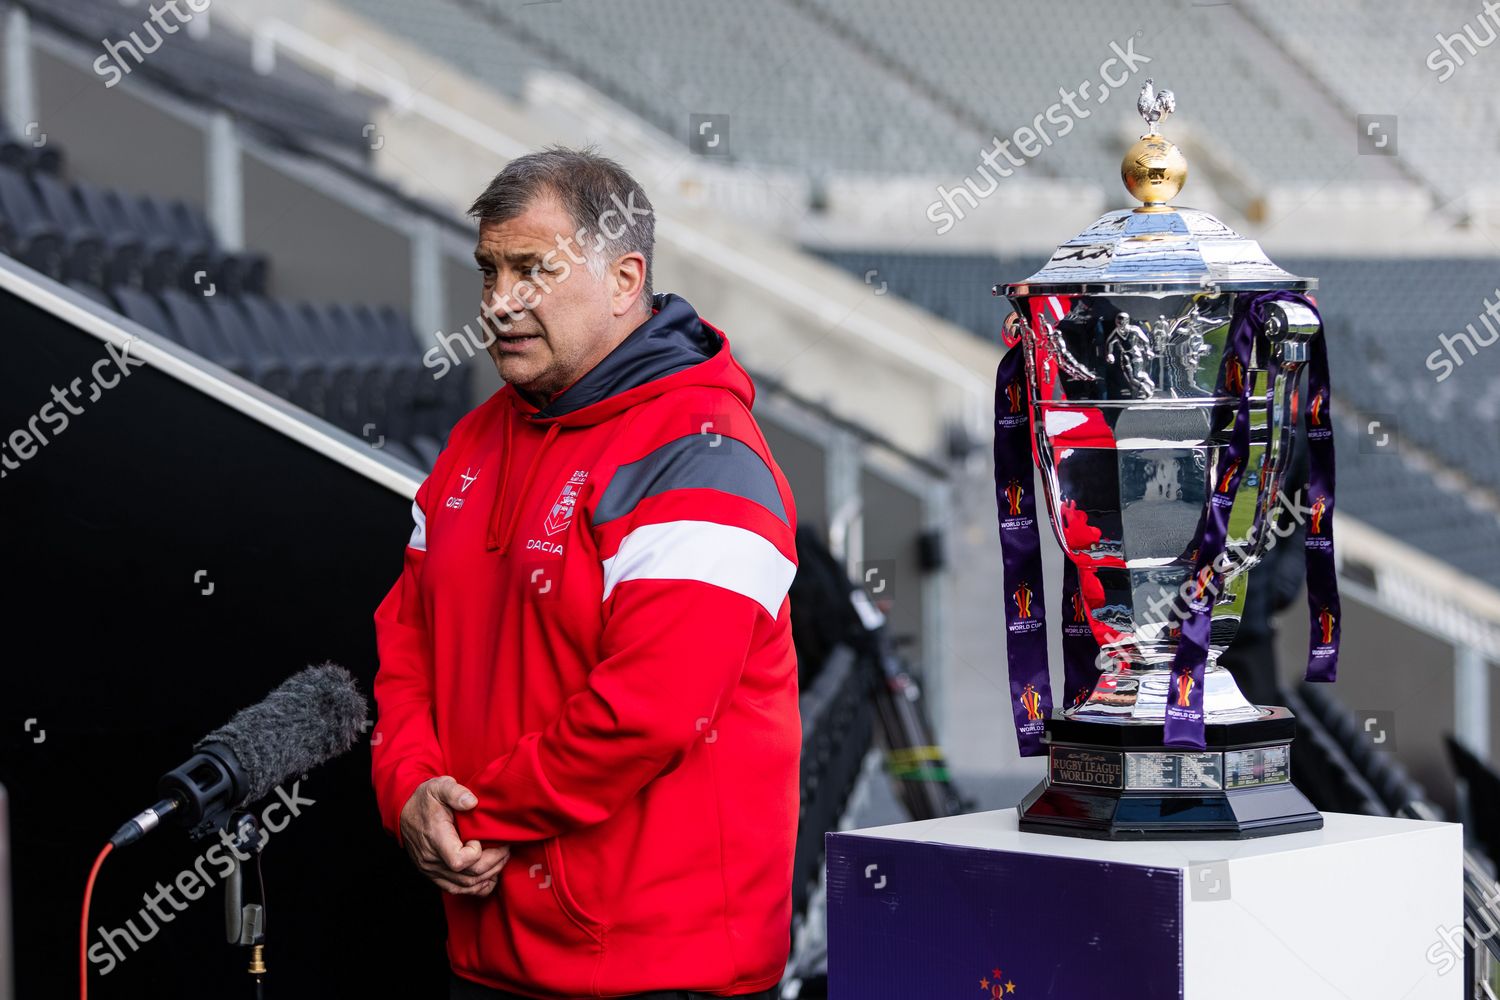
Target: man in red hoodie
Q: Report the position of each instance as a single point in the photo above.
(588, 726)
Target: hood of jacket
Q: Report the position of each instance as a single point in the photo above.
(672, 349)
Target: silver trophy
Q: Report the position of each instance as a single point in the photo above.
(1125, 331)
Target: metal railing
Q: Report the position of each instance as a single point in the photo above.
(1481, 947)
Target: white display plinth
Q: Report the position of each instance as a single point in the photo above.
(1350, 912)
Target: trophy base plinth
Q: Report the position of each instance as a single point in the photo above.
(1118, 782)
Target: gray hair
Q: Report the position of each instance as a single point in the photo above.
(590, 188)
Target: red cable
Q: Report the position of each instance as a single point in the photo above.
(83, 928)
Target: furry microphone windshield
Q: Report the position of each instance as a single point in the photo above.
(313, 716)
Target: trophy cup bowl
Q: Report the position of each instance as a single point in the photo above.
(1125, 331)
(1125, 407)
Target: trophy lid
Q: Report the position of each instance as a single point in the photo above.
(1156, 247)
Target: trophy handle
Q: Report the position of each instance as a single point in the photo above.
(1289, 329)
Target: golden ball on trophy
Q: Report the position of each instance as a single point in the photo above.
(1154, 170)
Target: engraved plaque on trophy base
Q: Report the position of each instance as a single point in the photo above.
(1121, 783)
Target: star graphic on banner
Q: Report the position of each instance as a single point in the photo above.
(996, 973)
(984, 984)
(1010, 987)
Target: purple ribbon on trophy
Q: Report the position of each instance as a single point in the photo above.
(1026, 642)
(1322, 582)
(1021, 553)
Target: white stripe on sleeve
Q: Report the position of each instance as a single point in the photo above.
(418, 533)
(733, 558)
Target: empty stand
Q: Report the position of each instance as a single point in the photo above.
(796, 94)
(292, 105)
(158, 262)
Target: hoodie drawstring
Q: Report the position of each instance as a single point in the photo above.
(501, 541)
(492, 540)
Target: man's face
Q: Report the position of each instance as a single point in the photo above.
(562, 309)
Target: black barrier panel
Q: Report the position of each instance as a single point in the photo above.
(169, 560)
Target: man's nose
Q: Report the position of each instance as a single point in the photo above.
(510, 303)
(501, 306)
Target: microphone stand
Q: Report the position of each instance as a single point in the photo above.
(245, 922)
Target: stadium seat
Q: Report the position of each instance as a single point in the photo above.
(93, 292)
(199, 331)
(1482, 798)
(29, 235)
(266, 366)
(125, 251)
(83, 245)
(427, 449)
(160, 261)
(22, 153)
(277, 328)
(400, 451)
(143, 307)
(190, 258)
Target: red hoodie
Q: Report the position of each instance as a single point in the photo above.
(592, 633)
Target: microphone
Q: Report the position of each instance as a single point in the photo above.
(313, 716)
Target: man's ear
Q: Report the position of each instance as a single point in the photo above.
(629, 276)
